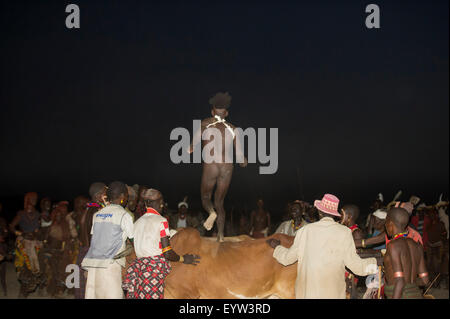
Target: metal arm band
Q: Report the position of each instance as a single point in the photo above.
(166, 249)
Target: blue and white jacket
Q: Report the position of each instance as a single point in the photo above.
(110, 228)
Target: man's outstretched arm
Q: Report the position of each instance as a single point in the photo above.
(366, 253)
(359, 266)
(286, 256)
(171, 255)
(363, 243)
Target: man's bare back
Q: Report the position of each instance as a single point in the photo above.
(218, 168)
(216, 174)
(407, 254)
(404, 262)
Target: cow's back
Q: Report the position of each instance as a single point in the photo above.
(233, 269)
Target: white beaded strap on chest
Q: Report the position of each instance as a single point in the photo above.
(221, 120)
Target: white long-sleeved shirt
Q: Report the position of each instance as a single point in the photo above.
(323, 250)
(287, 229)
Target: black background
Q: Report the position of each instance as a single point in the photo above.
(359, 111)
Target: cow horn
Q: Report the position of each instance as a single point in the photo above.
(397, 196)
(380, 197)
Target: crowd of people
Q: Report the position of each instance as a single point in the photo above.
(406, 243)
(98, 232)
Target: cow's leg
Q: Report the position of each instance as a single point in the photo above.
(209, 178)
(223, 182)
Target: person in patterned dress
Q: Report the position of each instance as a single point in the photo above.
(145, 276)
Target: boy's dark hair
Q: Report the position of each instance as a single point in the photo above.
(399, 217)
(221, 100)
(115, 190)
(96, 188)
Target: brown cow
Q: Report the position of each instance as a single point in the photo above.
(239, 267)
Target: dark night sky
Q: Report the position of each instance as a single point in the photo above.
(359, 111)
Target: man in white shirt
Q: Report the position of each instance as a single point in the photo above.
(290, 227)
(323, 249)
(111, 226)
(146, 275)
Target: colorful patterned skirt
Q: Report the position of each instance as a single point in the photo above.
(145, 278)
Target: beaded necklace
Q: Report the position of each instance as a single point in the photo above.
(404, 234)
(293, 225)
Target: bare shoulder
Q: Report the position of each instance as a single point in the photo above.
(207, 121)
(391, 247)
(399, 245)
(414, 245)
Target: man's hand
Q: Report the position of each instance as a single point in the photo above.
(190, 149)
(273, 242)
(191, 259)
(379, 261)
(244, 164)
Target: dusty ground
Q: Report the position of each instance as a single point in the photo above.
(436, 293)
(13, 288)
